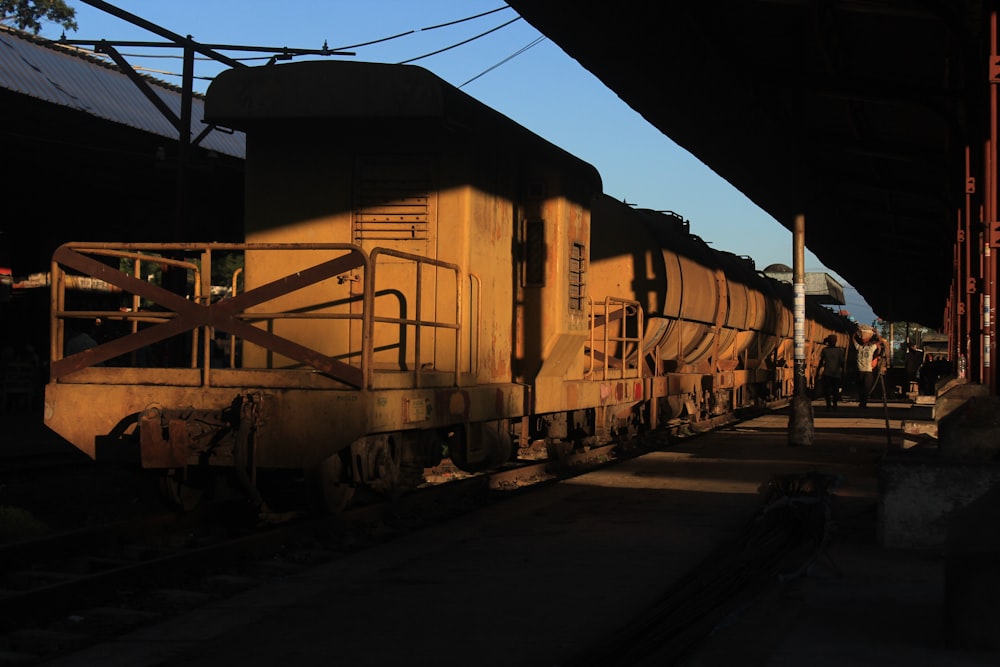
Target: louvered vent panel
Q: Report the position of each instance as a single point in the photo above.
(391, 201)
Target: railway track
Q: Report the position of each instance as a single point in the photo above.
(62, 592)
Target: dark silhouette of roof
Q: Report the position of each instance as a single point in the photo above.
(73, 78)
(830, 110)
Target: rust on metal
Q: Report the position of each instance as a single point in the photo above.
(157, 452)
(183, 315)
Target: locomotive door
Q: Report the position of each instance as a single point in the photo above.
(395, 207)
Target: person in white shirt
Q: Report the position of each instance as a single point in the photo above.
(868, 345)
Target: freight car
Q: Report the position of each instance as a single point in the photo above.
(421, 277)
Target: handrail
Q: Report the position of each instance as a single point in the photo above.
(624, 339)
(232, 337)
(628, 308)
(417, 322)
(590, 334)
(477, 301)
(181, 314)
(136, 271)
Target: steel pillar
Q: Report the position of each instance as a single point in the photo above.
(991, 220)
(968, 314)
(801, 429)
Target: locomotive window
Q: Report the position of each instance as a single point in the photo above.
(577, 267)
(391, 200)
(534, 253)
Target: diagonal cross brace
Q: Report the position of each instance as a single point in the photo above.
(222, 315)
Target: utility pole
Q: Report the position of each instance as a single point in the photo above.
(801, 430)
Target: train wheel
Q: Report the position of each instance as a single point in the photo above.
(328, 485)
(179, 492)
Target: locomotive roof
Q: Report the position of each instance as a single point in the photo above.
(353, 90)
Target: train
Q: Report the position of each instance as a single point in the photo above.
(421, 277)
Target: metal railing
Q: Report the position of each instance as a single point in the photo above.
(627, 359)
(178, 314)
(418, 323)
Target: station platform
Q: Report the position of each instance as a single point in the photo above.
(540, 578)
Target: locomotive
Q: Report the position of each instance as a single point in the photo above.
(421, 277)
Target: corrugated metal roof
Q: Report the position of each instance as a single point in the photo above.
(69, 77)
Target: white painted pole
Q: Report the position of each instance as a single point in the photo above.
(801, 430)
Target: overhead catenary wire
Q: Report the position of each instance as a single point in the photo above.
(536, 42)
(462, 43)
(371, 42)
(428, 28)
(467, 18)
(380, 40)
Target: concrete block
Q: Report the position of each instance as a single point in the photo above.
(923, 426)
(946, 382)
(971, 431)
(919, 432)
(920, 493)
(953, 394)
(972, 579)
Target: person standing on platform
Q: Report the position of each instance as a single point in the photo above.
(867, 344)
(914, 357)
(929, 374)
(831, 368)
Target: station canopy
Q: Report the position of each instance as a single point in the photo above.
(853, 113)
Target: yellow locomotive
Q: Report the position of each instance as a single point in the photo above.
(420, 276)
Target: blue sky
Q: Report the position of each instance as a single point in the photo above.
(541, 88)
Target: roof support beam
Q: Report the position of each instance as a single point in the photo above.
(163, 32)
(140, 83)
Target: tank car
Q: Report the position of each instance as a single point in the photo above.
(719, 334)
(420, 277)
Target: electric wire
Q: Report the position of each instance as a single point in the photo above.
(377, 41)
(468, 18)
(339, 48)
(413, 32)
(536, 42)
(361, 44)
(462, 43)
